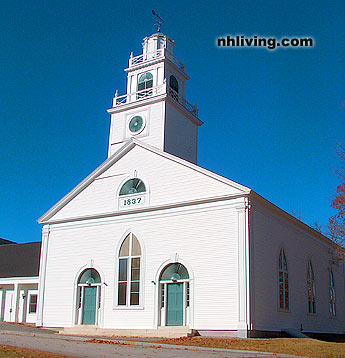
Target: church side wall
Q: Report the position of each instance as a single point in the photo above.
(268, 234)
(203, 237)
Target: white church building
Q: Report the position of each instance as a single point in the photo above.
(150, 240)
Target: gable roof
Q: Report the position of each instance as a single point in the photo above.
(5, 242)
(121, 153)
(20, 260)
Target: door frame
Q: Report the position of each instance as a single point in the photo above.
(163, 301)
(9, 305)
(159, 318)
(80, 301)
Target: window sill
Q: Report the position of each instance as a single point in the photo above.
(311, 314)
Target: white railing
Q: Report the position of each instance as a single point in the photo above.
(160, 53)
(139, 95)
(189, 107)
(151, 92)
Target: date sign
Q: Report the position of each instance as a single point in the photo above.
(131, 202)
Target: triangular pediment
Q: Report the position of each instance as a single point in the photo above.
(169, 181)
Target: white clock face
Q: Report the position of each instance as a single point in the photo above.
(136, 124)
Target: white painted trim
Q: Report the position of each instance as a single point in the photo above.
(19, 280)
(42, 274)
(243, 270)
(183, 206)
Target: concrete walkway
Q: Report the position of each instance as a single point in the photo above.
(47, 340)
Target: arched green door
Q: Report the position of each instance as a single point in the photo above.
(89, 306)
(175, 304)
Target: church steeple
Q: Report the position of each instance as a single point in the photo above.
(154, 109)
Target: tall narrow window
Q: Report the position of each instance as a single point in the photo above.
(283, 281)
(311, 289)
(331, 294)
(129, 272)
(173, 87)
(145, 84)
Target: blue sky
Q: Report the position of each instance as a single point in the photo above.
(272, 118)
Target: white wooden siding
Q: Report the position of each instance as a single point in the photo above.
(269, 233)
(169, 182)
(181, 135)
(152, 134)
(205, 237)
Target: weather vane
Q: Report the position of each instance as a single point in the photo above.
(159, 21)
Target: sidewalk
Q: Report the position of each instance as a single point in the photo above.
(77, 346)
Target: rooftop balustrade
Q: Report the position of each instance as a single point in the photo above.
(151, 92)
(160, 53)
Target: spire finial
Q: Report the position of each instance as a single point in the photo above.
(159, 21)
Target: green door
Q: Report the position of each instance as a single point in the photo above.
(89, 306)
(175, 304)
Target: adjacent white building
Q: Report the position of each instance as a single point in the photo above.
(150, 239)
(19, 266)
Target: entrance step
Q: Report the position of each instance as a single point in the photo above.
(167, 332)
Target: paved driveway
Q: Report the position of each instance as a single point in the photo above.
(45, 340)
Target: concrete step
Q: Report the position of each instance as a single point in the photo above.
(95, 331)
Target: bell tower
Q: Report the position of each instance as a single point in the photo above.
(154, 109)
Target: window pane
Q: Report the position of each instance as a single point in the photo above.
(122, 293)
(33, 304)
(162, 295)
(135, 269)
(134, 299)
(90, 275)
(136, 251)
(135, 287)
(173, 83)
(286, 291)
(124, 250)
(123, 270)
(172, 269)
(134, 293)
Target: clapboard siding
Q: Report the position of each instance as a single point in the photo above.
(269, 233)
(181, 135)
(152, 133)
(206, 239)
(168, 182)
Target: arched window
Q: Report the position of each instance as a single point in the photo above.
(283, 281)
(129, 272)
(311, 289)
(173, 83)
(89, 276)
(331, 294)
(133, 186)
(145, 84)
(174, 272)
(173, 87)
